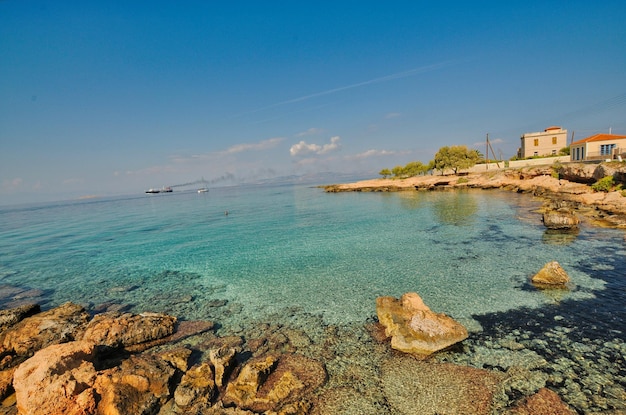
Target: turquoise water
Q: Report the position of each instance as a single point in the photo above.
(295, 259)
(278, 247)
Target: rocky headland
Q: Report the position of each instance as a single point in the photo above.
(565, 188)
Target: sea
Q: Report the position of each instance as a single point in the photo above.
(295, 256)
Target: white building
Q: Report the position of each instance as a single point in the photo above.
(599, 147)
(546, 143)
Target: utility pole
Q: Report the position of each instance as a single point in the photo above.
(487, 152)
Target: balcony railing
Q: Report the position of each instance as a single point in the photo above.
(613, 155)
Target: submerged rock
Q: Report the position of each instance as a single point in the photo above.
(414, 328)
(552, 275)
(544, 402)
(414, 387)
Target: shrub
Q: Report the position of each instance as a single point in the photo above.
(462, 180)
(605, 184)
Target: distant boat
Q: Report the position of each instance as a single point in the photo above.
(203, 190)
(162, 190)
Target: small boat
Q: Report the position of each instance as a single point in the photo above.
(203, 190)
(161, 190)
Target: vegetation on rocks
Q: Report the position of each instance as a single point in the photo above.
(606, 184)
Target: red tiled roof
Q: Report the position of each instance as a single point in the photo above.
(554, 127)
(600, 137)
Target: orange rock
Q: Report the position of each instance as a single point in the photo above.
(274, 382)
(141, 384)
(58, 325)
(414, 328)
(123, 330)
(196, 386)
(551, 275)
(57, 380)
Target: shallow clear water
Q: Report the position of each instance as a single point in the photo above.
(466, 253)
(294, 257)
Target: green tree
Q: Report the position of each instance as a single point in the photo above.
(398, 171)
(413, 168)
(385, 173)
(455, 158)
(564, 151)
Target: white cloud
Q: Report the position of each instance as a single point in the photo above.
(372, 153)
(334, 145)
(237, 148)
(303, 147)
(261, 145)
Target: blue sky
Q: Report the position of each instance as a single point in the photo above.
(114, 97)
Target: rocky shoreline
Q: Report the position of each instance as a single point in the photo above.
(96, 359)
(560, 185)
(68, 361)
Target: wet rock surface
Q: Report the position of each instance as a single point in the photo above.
(562, 219)
(552, 275)
(414, 328)
(520, 361)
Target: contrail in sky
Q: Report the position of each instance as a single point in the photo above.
(379, 80)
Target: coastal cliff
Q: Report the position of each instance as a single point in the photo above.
(563, 185)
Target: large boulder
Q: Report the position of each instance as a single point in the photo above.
(57, 380)
(414, 328)
(124, 330)
(561, 219)
(552, 275)
(58, 325)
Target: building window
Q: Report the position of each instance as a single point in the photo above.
(553, 140)
(535, 154)
(606, 149)
(536, 142)
(554, 152)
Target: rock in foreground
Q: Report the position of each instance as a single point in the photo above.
(414, 328)
(57, 380)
